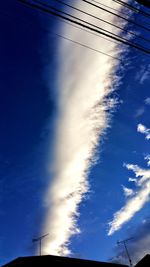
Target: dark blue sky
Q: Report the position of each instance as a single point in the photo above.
(28, 88)
(26, 106)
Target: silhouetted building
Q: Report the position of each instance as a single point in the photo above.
(145, 262)
(52, 261)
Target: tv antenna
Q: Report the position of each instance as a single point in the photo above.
(39, 239)
(125, 246)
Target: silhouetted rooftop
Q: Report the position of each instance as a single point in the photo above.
(144, 262)
(47, 261)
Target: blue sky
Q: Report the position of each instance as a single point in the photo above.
(33, 79)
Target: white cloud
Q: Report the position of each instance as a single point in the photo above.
(135, 203)
(142, 129)
(127, 191)
(86, 81)
(147, 101)
(144, 74)
(132, 180)
(148, 159)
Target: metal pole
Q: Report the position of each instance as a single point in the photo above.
(39, 239)
(125, 246)
(127, 252)
(40, 246)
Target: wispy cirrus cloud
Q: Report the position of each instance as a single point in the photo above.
(144, 74)
(137, 198)
(139, 112)
(147, 101)
(132, 180)
(148, 159)
(127, 191)
(144, 130)
(136, 202)
(86, 82)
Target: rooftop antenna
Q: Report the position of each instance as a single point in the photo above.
(39, 239)
(125, 246)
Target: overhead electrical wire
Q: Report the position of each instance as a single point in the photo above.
(83, 21)
(102, 4)
(134, 45)
(131, 7)
(117, 15)
(87, 31)
(92, 33)
(72, 25)
(78, 43)
(123, 13)
(86, 46)
(105, 21)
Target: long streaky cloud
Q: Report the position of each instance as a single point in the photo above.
(135, 203)
(86, 81)
(144, 130)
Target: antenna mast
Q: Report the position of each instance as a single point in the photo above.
(39, 239)
(125, 246)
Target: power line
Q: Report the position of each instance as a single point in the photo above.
(87, 31)
(102, 4)
(131, 7)
(134, 45)
(79, 19)
(82, 29)
(80, 44)
(92, 33)
(105, 21)
(104, 31)
(74, 26)
(123, 13)
(86, 46)
(121, 39)
(117, 15)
